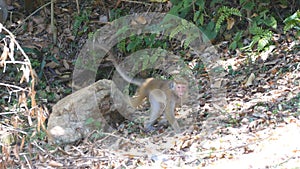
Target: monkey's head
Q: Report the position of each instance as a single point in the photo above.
(180, 87)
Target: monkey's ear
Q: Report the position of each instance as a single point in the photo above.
(172, 85)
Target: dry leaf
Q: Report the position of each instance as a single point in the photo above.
(35, 76)
(141, 20)
(38, 20)
(265, 54)
(66, 64)
(16, 151)
(250, 80)
(4, 57)
(216, 84)
(57, 72)
(103, 18)
(26, 73)
(71, 38)
(41, 158)
(22, 99)
(133, 22)
(22, 143)
(49, 28)
(230, 23)
(274, 71)
(53, 163)
(32, 97)
(41, 116)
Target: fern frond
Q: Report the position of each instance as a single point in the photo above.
(224, 13)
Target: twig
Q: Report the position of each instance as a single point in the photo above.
(27, 161)
(54, 30)
(18, 62)
(11, 112)
(137, 2)
(20, 48)
(13, 86)
(40, 8)
(35, 143)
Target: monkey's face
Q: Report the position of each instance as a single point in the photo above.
(181, 89)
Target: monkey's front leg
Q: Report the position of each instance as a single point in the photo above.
(170, 115)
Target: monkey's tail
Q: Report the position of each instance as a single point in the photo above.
(129, 79)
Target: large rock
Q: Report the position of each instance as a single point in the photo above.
(95, 107)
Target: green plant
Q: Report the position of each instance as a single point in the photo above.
(293, 22)
(131, 126)
(181, 8)
(195, 11)
(199, 14)
(261, 37)
(236, 43)
(80, 25)
(41, 135)
(137, 42)
(225, 13)
(148, 61)
(187, 29)
(264, 18)
(117, 13)
(93, 122)
(208, 30)
(231, 71)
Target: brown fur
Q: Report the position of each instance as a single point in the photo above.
(163, 95)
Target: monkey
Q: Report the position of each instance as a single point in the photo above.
(163, 96)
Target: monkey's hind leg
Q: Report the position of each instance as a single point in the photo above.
(157, 100)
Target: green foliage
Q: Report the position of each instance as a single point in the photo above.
(93, 122)
(261, 21)
(117, 13)
(190, 10)
(262, 38)
(152, 42)
(224, 13)
(232, 72)
(135, 43)
(131, 126)
(149, 59)
(208, 30)
(247, 5)
(49, 96)
(199, 14)
(122, 45)
(256, 17)
(264, 19)
(186, 28)
(42, 135)
(293, 22)
(138, 42)
(80, 25)
(236, 43)
(181, 8)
